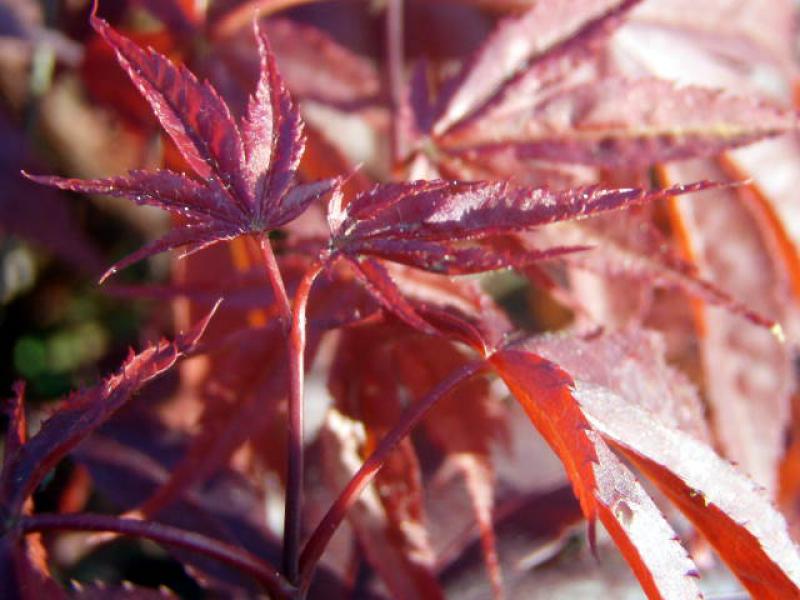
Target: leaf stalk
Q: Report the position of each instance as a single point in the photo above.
(235, 557)
(323, 533)
(292, 521)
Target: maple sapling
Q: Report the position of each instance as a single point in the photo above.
(502, 163)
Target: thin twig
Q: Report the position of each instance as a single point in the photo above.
(275, 278)
(322, 534)
(394, 63)
(235, 557)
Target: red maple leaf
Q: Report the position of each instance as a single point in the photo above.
(245, 174)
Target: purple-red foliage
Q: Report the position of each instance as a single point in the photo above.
(340, 307)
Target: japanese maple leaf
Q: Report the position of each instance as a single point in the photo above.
(598, 405)
(745, 241)
(534, 92)
(643, 413)
(425, 224)
(28, 460)
(245, 173)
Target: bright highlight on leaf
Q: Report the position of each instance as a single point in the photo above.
(727, 507)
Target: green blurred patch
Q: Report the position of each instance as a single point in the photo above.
(61, 332)
(65, 350)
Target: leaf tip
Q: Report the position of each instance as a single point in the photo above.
(264, 47)
(18, 387)
(109, 272)
(188, 340)
(98, 24)
(257, 31)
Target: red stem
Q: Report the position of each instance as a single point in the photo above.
(275, 278)
(295, 322)
(170, 536)
(394, 59)
(322, 534)
(294, 476)
(236, 18)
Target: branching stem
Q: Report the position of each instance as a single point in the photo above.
(295, 326)
(275, 278)
(292, 520)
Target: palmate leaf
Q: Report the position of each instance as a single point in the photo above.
(246, 177)
(619, 122)
(745, 242)
(521, 93)
(421, 224)
(728, 508)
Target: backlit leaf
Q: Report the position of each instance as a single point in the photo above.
(617, 122)
(519, 41)
(440, 210)
(749, 372)
(604, 487)
(731, 511)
